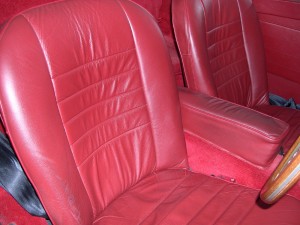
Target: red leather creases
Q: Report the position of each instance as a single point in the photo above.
(221, 49)
(161, 10)
(221, 122)
(290, 116)
(170, 197)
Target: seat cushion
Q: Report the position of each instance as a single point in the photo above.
(183, 197)
(289, 115)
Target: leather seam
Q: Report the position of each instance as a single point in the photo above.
(91, 106)
(224, 39)
(247, 127)
(162, 200)
(228, 206)
(224, 53)
(207, 203)
(246, 214)
(98, 82)
(86, 64)
(228, 65)
(278, 25)
(185, 196)
(223, 25)
(231, 79)
(95, 151)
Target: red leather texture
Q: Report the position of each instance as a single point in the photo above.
(280, 26)
(90, 103)
(182, 197)
(222, 52)
(79, 108)
(161, 9)
(291, 116)
(221, 122)
(11, 8)
(217, 58)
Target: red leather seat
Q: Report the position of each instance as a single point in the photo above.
(222, 53)
(91, 106)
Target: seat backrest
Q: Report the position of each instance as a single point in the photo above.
(81, 86)
(221, 49)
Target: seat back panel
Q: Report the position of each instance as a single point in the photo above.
(226, 51)
(100, 97)
(222, 49)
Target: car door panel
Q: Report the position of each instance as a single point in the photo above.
(280, 25)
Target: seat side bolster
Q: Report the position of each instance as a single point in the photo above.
(35, 127)
(190, 29)
(253, 42)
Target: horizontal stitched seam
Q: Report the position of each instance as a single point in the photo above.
(250, 128)
(112, 140)
(231, 79)
(224, 39)
(223, 25)
(278, 25)
(224, 53)
(228, 65)
(121, 95)
(285, 68)
(111, 77)
(107, 121)
(91, 62)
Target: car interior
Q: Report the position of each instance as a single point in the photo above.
(150, 112)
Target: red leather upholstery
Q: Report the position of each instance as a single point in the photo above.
(221, 122)
(91, 106)
(223, 56)
(160, 9)
(182, 197)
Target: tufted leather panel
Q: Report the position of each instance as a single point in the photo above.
(222, 52)
(91, 106)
